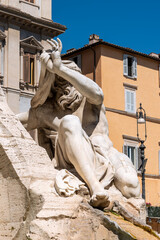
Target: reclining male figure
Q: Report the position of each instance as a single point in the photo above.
(68, 108)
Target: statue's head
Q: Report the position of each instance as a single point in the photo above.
(66, 96)
(55, 87)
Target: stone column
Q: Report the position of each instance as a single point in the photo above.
(13, 68)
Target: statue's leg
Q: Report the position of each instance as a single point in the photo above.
(127, 182)
(125, 178)
(78, 151)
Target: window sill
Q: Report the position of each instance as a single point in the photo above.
(32, 4)
(23, 86)
(133, 78)
(130, 112)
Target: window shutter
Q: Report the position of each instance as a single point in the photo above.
(127, 100)
(26, 68)
(132, 101)
(135, 67)
(125, 65)
(125, 149)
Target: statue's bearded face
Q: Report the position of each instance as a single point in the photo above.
(66, 96)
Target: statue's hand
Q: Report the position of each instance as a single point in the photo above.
(56, 52)
(44, 58)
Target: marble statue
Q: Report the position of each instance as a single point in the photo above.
(69, 114)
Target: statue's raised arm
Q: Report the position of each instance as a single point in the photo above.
(84, 85)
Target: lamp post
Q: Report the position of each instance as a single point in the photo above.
(141, 119)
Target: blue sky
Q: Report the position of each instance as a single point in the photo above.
(134, 24)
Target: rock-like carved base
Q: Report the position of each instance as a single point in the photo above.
(30, 205)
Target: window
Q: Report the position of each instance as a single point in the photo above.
(130, 100)
(129, 66)
(28, 69)
(30, 49)
(130, 148)
(77, 60)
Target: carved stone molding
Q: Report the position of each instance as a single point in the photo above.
(130, 138)
(127, 85)
(29, 22)
(26, 86)
(31, 42)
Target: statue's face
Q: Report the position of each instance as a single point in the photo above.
(66, 96)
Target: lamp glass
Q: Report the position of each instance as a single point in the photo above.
(141, 119)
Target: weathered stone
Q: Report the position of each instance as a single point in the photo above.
(30, 207)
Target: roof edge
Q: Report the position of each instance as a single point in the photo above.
(101, 42)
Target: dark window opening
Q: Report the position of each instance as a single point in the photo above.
(130, 66)
(75, 59)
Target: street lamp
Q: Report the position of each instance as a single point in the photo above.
(141, 119)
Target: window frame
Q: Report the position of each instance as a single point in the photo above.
(125, 66)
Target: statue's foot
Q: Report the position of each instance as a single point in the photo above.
(100, 199)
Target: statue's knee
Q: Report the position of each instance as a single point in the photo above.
(70, 124)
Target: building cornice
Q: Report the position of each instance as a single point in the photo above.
(147, 175)
(133, 115)
(27, 21)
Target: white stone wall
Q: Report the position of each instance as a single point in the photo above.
(24, 103)
(11, 57)
(41, 8)
(46, 6)
(33, 9)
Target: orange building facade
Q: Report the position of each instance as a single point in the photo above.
(127, 78)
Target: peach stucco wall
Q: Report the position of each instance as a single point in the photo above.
(147, 92)
(147, 81)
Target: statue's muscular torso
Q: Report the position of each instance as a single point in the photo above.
(92, 118)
